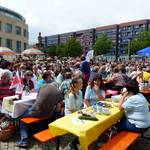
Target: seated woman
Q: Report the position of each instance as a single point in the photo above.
(74, 102)
(5, 83)
(136, 109)
(65, 85)
(95, 90)
(118, 79)
(27, 80)
(74, 98)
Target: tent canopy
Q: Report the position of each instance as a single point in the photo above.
(32, 51)
(144, 52)
(6, 51)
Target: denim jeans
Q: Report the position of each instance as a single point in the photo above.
(23, 126)
(28, 113)
(125, 125)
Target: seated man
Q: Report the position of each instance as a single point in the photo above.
(47, 104)
(46, 79)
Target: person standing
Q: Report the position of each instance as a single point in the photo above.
(85, 69)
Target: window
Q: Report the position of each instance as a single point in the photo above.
(18, 46)
(18, 30)
(8, 28)
(0, 41)
(0, 25)
(25, 46)
(25, 33)
(9, 43)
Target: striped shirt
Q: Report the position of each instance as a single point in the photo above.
(5, 91)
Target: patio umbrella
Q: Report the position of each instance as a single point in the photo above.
(6, 51)
(144, 52)
(32, 51)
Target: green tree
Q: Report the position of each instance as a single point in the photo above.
(51, 50)
(102, 45)
(73, 47)
(142, 41)
(60, 50)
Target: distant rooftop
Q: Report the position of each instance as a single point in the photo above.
(11, 13)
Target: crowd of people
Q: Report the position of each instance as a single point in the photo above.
(76, 84)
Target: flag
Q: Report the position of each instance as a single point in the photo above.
(16, 81)
(90, 55)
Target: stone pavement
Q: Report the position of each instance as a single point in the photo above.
(140, 144)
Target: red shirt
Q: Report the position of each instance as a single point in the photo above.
(29, 84)
(5, 91)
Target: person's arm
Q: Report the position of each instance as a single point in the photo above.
(98, 93)
(123, 99)
(110, 79)
(87, 96)
(71, 103)
(87, 102)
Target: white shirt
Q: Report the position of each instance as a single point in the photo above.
(137, 111)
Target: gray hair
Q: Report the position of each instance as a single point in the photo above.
(6, 72)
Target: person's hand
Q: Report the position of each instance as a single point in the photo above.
(126, 94)
(123, 91)
(96, 87)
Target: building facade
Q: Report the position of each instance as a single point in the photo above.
(13, 30)
(120, 34)
(50, 40)
(129, 31)
(63, 38)
(112, 33)
(86, 38)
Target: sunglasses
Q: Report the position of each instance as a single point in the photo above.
(30, 75)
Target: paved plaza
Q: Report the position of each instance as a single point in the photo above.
(140, 144)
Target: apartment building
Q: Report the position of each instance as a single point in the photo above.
(120, 34)
(13, 30)
(129, 31)
(112, 33)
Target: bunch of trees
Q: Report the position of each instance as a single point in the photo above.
(103, 45)
(142, 41)
(71, 48)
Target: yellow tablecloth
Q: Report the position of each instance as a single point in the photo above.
(87, 131)
(146, 75)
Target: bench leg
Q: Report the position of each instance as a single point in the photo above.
(57, 143)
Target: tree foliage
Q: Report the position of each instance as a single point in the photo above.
(102, 45)
(142, 41)
(51, 50)
(61, 50)
(73, 48)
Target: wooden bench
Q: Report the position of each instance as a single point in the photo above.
(120, 142)
(45, 136)
(29, 120)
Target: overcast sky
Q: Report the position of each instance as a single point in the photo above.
(60, 16)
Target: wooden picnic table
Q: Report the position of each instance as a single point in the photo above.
(86, 130)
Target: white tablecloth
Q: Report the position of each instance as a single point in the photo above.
(18, 106)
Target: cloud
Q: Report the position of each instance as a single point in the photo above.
(60, 16)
